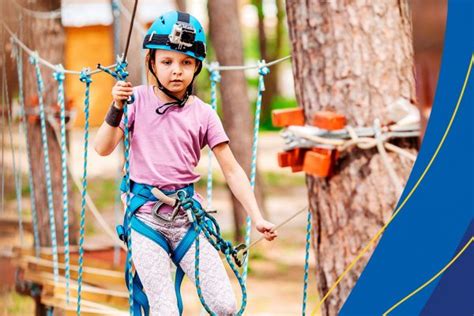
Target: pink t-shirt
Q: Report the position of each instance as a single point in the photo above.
(165, 149)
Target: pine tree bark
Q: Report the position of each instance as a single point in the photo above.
(47, 38)
(227, 43)
(355, 58)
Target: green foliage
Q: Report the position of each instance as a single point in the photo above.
(16, 304)
(278, 180)
(103, 191)
(278, 102)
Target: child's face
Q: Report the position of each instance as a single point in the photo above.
(174, 70)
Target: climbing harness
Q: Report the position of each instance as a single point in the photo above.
(201, 222)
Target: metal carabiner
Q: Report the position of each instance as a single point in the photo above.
(173, 200)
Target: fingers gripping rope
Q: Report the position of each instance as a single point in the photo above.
(120, 73)
(58, 75)
(263, 70)
(84, 77)
(49, 190)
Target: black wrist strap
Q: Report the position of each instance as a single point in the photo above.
(114, 116)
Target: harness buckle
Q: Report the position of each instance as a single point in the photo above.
(178, 196)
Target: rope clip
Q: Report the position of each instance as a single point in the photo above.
(239, 254)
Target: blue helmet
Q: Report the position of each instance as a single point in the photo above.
(177, 31)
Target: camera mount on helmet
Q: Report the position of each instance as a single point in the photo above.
(182, 36)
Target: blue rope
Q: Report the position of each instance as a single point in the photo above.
(215, 77)
(58, 75)
(306, 262)
(24, 125)
(211, 230)
(121, 73)
(39, 80)
(86, 78)
(263, 70)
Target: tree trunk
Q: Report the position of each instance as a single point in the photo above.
(181, 5)
(357, 59)
(47, 38)
(269, 52)
(227, 43)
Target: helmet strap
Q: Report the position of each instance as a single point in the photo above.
(179, 102)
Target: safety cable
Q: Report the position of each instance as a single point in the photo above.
(53, 14)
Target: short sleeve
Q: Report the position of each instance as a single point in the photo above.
(215, 133)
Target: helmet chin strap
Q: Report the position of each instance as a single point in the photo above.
(179, 102)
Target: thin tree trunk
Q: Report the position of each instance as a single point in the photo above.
(227, 43)
(355, 59)
(181, 5)
(270, 52)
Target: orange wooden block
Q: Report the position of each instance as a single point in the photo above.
(297, 159)
(284, 159)
(287, 117)
(329, 120)
(317, 163)
(297, 156)
(296, 168)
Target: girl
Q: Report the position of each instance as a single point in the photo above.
(169, 127)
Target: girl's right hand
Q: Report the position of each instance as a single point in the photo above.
(121, 91)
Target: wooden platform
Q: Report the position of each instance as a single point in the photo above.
(103, 288)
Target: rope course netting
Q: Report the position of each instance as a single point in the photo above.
(300, 138)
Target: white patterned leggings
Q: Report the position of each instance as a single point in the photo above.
(154, 268)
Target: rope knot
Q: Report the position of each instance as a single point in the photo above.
(215, 73)
(121, 69)
(14, 54)
(85, 76)
(58, 75)
(225, 246)
(263, 69)
(34, 58)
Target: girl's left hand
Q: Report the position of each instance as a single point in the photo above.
(266, 228)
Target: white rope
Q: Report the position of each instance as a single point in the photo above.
(55, 14)
(42, 61)
(256, 66)
(363, 138)
(53, 67)
(386, 160)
